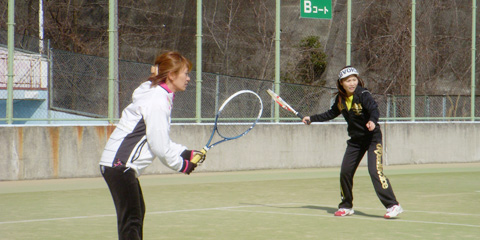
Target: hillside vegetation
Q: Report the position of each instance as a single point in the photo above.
(239, 38)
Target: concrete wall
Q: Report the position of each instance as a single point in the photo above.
(39, 152)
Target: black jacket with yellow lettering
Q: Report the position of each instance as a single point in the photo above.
(364, 108)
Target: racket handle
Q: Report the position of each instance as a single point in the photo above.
(300, 115)
(196, 159)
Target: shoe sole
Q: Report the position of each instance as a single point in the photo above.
(344, 215)
(389, 217)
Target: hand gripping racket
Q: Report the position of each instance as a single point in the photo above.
(235, 118)
(283, 104)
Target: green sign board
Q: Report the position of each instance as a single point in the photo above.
(321, 9)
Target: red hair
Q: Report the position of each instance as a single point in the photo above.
(168, 62)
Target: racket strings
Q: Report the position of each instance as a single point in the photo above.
(238, 115)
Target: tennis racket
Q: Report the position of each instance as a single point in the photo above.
(283, 104)
(235, 118)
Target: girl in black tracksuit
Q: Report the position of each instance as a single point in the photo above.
(360, 111)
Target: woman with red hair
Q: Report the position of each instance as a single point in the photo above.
(141, 135)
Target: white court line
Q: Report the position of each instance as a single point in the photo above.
(56, 219)
(148, 213)
(223, 208)
(238, 209)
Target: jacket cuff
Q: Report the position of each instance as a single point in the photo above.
(187, 154)
(185, 166)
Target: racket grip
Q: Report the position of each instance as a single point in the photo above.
(199, 158)
(300, 115)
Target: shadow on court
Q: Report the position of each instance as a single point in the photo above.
(331, 210)
(326, 209)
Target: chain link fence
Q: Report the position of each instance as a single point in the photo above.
(427, 107)
(64, 87)
(86, 91)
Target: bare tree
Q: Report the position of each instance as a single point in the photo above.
(219, 26)
(243, 35)
(239, 36)
(77, 25)
(442, 45)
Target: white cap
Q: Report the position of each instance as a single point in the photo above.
(347, 72)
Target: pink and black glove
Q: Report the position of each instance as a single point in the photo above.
(187, 156)
(188, 167)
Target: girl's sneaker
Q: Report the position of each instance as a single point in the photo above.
(393, 211)
(342, 212)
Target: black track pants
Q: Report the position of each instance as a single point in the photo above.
(354, 153)
(128, 199)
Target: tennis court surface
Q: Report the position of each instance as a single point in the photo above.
(441, 201)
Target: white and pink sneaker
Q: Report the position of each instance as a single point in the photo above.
(393, 211)
(342, 212)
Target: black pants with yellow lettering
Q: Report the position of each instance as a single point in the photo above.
(356, 149)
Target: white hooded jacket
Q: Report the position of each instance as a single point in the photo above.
(143, 132)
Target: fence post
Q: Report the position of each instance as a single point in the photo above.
(198, 112)
(427, 106)
(50, 81)
(217, 91)
(412, 65)
(474, 33)
(40, 27)
(444, 107)
(349, 32)
(10, 61)
(112, 60)
(394, 100)
(277, 56)
(389, 101)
